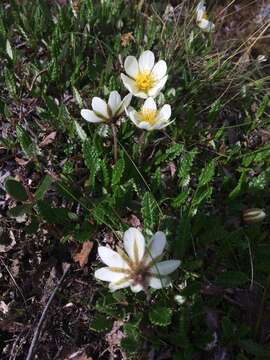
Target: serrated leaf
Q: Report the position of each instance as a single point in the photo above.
(80, 132)
(27, 145)
(160, 315)
(201, 195)
(239, 187)
(231, 279)
(91, 159)
(16, 190)
(9, 50)
(170, 154)
(262, 106)
(207, 174)
(180, 199)
(43, 187)
(149, 210)
(77, 97)
(118, 171)
(101, 323)
(185, 167)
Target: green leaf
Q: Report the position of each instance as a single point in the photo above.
(28, 147)
(92, 159)
(101, 323)
(19, 210)
(185, 167)
(262, 106)
(9, 50)
(160, 315)
(16, 190)
(255, 349)
(201, 195)
(43, 187)
(149, 210)
(77, 97)
(180, 199)
(231, 279)
(80, 132)
(207, 174)
(239, 187)
(118, 171)
(32, 228)
(170, 154)
(53, 215)
(130, 345)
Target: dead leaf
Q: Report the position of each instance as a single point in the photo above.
(134, 221)
(21, 162)
(6, 244)
(48, 139)
(3, 307)
(78, 355)
(82, 256)
(126, 39)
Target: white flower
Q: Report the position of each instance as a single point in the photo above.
(139, 266)
(202, 18)
(145, 78)
(103, 112)
(149, 117)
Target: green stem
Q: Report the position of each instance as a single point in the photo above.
(114, 133)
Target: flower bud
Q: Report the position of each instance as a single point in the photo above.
(252, 216)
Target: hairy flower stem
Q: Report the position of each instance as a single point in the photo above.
(114, 133)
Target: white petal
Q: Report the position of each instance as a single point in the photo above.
(111, 258)
(157, 245)
(90, 116)
(159, 70)
(144, 125)
(134, 244)
(165, 267)
(121, 285)
(149, 104)
(114, 101)
(132, 88)
(124, 104)
(156, 283)
(134, 117)
(200, 10)
(154, 91)
(206, 25)
(105, 274)
(136, 288)
(129, 84)
(146, 61)
(100, 107)
(164, 113)
(131, 66)
(161, 125)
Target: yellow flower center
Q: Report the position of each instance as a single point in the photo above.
(148, 115)
(205, 16)
(144, 81)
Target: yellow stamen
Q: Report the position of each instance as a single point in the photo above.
(148, 115)
(144, 81)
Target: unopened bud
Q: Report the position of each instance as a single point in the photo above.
(251, 216)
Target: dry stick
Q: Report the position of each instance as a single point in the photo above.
(14, 281)
(37, 331)
(114, 133)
